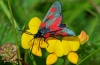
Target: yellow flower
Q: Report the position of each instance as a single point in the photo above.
(57, 48)
(73, 57)
(67, 46)
(28, 41)
(52, 58)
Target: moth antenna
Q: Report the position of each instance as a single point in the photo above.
(28, 33)
(46, 20)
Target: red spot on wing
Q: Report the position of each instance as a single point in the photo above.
(55, 28)
(47, 35)
(55, 25)
(50, 17)
(43, 25)
(53, 9)
(64, 34)
(57, 33)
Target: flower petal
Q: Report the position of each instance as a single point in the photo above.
(34, 24)
(51, 44)
(72, 43)
(43, 44)
(66, 46)
(59, 49)
(32, 31)
(73, 57)
(36, 50)
(83, 37)
(37, 41)
(40, 42)
(25, 40)
(51, 59)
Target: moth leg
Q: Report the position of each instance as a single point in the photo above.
(39, 43)
(46, 42)
(32, 47)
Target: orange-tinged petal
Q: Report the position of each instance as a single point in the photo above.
(83, 37)
(26, 40)
(36, 50)
(34, 24)
(87, 38)
(59, 49)
(51, 42)
(72, 43)
(73, 57)
(51, 59)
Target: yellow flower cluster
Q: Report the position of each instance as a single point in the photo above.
(67, 46)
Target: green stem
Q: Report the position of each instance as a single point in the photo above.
(4, 8)
(15, 34)
(12, 19)
(26, 55)
(32, 58)
(88, 56)
(64, 63)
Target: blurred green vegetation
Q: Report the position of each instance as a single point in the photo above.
(78, 15)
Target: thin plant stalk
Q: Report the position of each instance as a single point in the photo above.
(64, 62)
(15, 34)
(88, 56)
(5, 9)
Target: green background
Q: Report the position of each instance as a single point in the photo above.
(78, 15)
